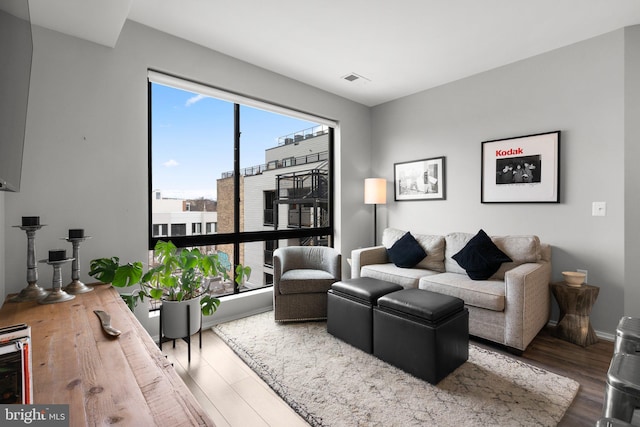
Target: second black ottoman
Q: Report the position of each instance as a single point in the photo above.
(421, 332)
(350, 309)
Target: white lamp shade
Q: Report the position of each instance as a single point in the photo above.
(375, 191)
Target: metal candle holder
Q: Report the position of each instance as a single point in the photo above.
(76, 286)
(57, 294)
(32, 291)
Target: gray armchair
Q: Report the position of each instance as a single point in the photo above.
(302, 275)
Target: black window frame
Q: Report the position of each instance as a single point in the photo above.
(237, 237)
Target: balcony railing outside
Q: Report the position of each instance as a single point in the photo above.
(284, 163)
(300, 218)
(303, 134)
(309, 184)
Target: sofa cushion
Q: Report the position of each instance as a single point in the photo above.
(487, 294)
(480, 257)
(406, 277)
(454, 242)
(406, 252)
(433, 245)
(305, 280)
(521, 250)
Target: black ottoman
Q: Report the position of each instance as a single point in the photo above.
(421, 332)
(350, 309)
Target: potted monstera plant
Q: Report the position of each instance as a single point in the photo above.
(181, 278)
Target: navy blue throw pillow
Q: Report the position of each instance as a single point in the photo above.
(480, 257)
(406, 252)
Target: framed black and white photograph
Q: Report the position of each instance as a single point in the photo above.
(524, 169)
(420, 180)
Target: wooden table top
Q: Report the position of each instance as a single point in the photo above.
(581, 288)
(104, 380)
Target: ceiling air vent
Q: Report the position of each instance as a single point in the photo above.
(352, 77)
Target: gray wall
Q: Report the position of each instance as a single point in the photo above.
(579, 90)
(632, 180)
(2, 249)
(85, 158)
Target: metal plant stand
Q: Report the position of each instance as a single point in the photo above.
(57, 294)
(76, 286)
(186, 339)
(32, 291)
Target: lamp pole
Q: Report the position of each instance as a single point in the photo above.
(375, 224)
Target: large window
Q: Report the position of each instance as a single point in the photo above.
(257, 175)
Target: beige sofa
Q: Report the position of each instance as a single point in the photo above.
(509, 308)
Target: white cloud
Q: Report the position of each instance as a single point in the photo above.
(193, 100)
(170, 163)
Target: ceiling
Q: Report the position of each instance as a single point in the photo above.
(397, 48)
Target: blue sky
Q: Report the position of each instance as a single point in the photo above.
(193, 140)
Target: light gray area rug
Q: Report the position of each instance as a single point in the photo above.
(330, 383)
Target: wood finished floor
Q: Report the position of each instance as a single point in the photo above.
(234, 395)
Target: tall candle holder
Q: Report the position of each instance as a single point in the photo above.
(32, 291)
(57, 294)
(76, 286)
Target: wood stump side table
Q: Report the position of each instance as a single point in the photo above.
(575, 303)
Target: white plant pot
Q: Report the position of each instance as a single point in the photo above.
(174, 318)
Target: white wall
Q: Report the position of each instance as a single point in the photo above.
(579, 90)
(85, 155)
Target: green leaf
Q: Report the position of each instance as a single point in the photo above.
(164, 250)
(131, 300)
(242, 273)
(155, 293)
(127, 275)
(170, 281)
(189, 259)
(209, 305)
(104, 269)
(149, 275)
(209, 265)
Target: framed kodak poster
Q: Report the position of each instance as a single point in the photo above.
(524, 169)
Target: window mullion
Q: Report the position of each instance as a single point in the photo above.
(236, 187)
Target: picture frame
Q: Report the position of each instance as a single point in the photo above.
(420, 179)
(523, 169)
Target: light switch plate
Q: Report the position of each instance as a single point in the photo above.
(599, 209)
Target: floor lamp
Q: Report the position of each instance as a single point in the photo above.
(375, 193)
